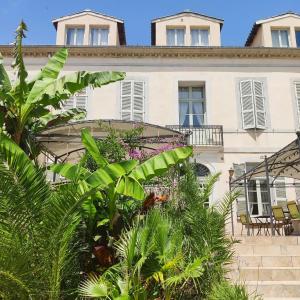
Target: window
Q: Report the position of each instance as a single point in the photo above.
(192, 110)
(78, 100)
(280, 38)
(99, 37)
(199, 37)
(253, 104)
(297, 32)
(175, 37)
(132, 100)
(75, 36)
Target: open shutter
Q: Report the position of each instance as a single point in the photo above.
(126, 100)
(69, 104)
(138, 100)
(81, 99)
(259, 101)
(247, 104)
(280, 191)
(297, 92)
(239, 170)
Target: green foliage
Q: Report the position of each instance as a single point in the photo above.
(38, 248)
(203, 228)
(225, 290)
(28, 107)
(152, 263)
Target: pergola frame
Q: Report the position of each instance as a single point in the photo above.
(63, 142)
(283, 163)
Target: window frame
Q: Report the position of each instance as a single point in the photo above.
(175, 29)
(279, 30)
(76, 29)
(190, 102)
(98, 39)
(199, 36)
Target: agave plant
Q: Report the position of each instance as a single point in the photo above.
(37, 230)
(152, 264)
(28, 106)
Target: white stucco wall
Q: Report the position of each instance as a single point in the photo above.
(221, 77)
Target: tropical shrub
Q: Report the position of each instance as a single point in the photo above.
(152, 263)
(203, 228)
(229, 291)
(28, 106)
(38, 229)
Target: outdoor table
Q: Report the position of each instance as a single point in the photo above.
(263, 220)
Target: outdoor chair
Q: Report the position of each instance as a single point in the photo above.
(247, 223)
(293, 210)
(281, 221)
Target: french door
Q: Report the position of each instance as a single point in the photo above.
(258, 197)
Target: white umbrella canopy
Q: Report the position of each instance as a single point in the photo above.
(64, 142)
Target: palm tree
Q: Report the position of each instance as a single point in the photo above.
(27, 106)
(38, 228)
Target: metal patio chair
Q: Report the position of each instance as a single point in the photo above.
(247, 222)
(293, 210)
(281, 221)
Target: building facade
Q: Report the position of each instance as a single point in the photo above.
(240, 103)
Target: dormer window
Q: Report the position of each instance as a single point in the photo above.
(75, 36)
(280, 38)
(297, 32)
(199, 37)
(175, 36)
(99, 36)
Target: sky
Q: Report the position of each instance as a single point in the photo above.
(238, 15)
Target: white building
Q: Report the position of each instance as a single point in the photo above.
(241, 103)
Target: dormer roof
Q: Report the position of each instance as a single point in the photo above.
(178, 15)
(120, 23)
(258, 24)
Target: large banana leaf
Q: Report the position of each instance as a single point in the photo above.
(92, 148)
(5, 84)
(52, 92)
(160, 163)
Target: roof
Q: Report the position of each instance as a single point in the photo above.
(189, 13)
(64, 142)
(258, 24)
(120, 23)
(157, 52)
(283, 163)
(183, 13)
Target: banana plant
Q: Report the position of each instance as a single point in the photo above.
(126, 177)
(27, 106)
(113, 180)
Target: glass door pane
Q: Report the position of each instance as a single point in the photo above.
(253, 201)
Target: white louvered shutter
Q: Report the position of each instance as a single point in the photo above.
(81, 99)
(297, 92)
(126, 100)
(247, 104)
(132, 100)
(259, 102)
(138, 100)
(78, 100)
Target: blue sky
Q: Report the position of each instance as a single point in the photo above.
(239, 16)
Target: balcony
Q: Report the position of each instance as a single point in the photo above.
(204, 135)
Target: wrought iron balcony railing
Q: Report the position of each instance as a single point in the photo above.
(204, 135)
